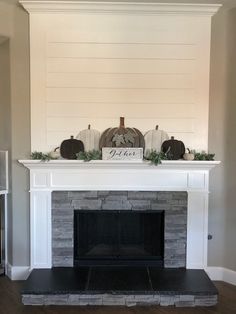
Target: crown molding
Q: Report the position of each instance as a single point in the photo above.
(133, 8)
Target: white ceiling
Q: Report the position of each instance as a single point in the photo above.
(226, 3)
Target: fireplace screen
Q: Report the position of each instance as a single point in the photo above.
(118, 237)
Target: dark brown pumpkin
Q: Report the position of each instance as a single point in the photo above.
(69, 148)
(175, 149)
(121, 137)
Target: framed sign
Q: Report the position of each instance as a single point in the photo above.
(122, 153)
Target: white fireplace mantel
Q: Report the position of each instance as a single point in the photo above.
(65, 175)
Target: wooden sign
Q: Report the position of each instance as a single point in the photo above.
(122, 153)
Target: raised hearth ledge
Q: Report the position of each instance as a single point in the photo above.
(73, 175)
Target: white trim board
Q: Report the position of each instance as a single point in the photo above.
(17, 272)
(222, 274)
(118, 7)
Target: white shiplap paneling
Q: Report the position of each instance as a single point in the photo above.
(94, 68)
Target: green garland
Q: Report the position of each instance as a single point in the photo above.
(156, 157)
(90, 155)
(204, 156)
(41, 156)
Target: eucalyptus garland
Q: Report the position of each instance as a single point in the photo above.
(41, 156)
(156, 157)
(204, 156)
(90, 155)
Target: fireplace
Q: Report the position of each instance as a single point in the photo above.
(119, 237)
(119, 228)
(60, 187)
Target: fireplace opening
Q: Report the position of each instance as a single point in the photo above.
(118, 237)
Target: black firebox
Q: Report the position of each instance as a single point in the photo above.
(118, 237)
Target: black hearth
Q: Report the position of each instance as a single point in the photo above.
(116, 237)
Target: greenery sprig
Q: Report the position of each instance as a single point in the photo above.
(41, 156)
(90, 155)
(156, 157)
(204, 156)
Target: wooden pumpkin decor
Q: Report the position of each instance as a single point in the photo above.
(175, 149)
(154, 139)
(122, 137)
(69, 148)
(90, 138)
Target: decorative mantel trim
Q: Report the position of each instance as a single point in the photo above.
(65, 175)
(73, 175)
(95, 164)
(133, 8)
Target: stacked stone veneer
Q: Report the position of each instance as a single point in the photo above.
(64, 203)
(121, 299)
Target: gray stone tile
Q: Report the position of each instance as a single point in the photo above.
(59, 195)
(140, 204)
(74, 299)
(85, 204)
(164, 195)
(167, 300)
(179, 195)
(142, 195)
(144, 299)
(33, 299)
(113, 299)
(184, 304)
(116, 205)
(79, 195)
(118, 193)
(103, 194)
(160, 206)
(60, 299)
(206, 300)
(62, 261)
(114, 197)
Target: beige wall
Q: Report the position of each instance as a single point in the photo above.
(5, 122)
(6, 18)
(14, 25)
(20, 100)
(5, 97)
(230, 149)
(222, 127)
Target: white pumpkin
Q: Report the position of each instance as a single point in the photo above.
(55, 154)
(154, 139)
(90, 138)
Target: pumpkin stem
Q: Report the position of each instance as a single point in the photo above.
(122, 122)
(172, 138)
(89, 127)
(157, 126)
(71, 137)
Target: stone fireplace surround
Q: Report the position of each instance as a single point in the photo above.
(174, 205)
(53, 183)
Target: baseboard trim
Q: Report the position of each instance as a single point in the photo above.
(17, 272)
(222, 274)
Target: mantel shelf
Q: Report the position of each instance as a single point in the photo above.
(108, 164)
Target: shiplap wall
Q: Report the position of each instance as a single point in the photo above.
(92, 68)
